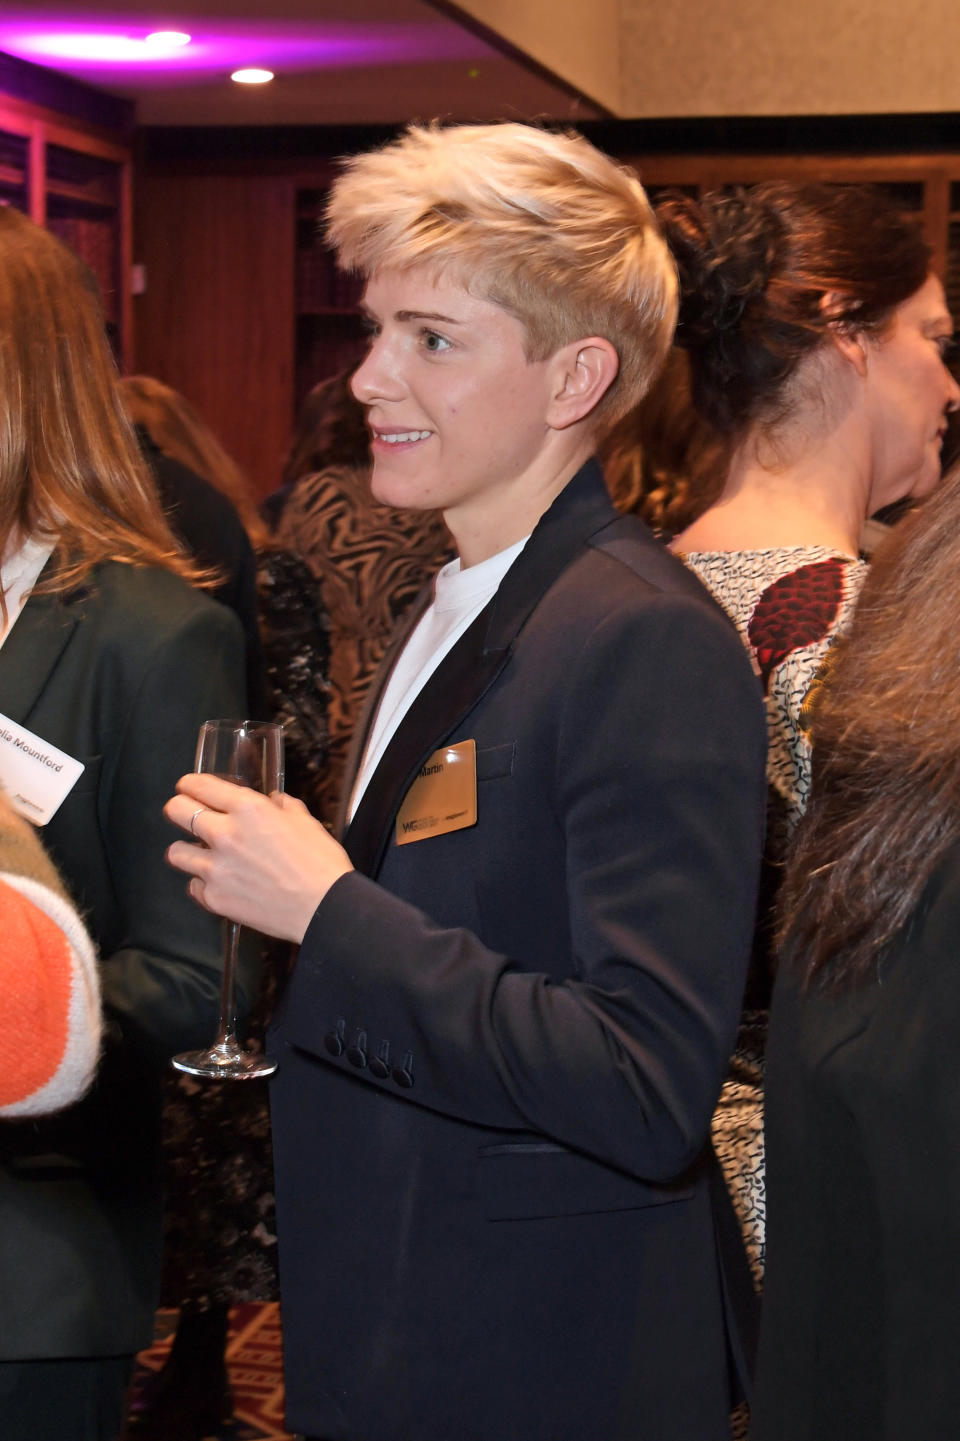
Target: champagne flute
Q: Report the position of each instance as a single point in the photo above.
(249, 753)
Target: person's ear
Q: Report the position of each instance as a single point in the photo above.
(851, 343)
(582, 373)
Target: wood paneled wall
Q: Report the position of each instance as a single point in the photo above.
(216, 228)
(216, 318)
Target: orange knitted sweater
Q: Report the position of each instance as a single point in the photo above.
(49, 984)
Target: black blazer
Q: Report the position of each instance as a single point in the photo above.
(501, 1048)
(209, 526)
(119, 674)
(861, 1305)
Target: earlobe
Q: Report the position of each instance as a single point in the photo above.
(852, 346)
(850, 342)
(585, 371)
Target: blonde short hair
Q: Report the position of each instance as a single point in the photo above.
(542, 224)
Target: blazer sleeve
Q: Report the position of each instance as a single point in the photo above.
(161, 975)
(659, 789)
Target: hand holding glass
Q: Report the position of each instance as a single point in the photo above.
(249, 753)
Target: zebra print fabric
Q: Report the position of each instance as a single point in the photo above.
(370, 562)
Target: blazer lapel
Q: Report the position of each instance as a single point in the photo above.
(467, 671)
(31, 652)
(368, 710)
(459, 680)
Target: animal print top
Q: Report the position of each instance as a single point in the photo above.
(371, 562)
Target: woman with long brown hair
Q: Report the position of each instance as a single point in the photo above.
(290, 611)
(816, 334)
(110, 658)
(219, 1224)
(862, 1300)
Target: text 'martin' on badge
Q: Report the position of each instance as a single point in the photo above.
(443, 797)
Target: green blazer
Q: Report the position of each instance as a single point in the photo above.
(120, 675)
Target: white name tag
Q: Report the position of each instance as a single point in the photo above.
(34, 774)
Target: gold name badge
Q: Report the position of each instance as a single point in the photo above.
(443, 797)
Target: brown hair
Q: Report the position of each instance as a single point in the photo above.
(177, 429)
(70, 467)
(885, 800)
(662, 460)
(331, 430)
(766, 272)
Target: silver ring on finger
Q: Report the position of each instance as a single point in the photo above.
(193, 819)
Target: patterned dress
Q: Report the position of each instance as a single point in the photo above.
(219, 1223)
(789, 605)
(328, 603)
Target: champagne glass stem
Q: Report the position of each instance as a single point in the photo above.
(227, 1034)
(247, 753)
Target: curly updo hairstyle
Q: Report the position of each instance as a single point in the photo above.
(766, 271)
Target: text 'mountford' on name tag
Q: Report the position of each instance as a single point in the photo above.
(34, 774)
(443, 797)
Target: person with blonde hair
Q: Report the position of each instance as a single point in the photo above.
(527, 219)
(109, 661)
(520, 974)
(370, 561)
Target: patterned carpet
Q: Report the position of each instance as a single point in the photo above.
(254, 1359)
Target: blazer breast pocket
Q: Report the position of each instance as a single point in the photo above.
(537, 1179)
(496, 762)
(74, 831)
(88, 781)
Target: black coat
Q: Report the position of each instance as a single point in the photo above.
(501, 1048)
(211, 529)
(119, 674)
(861, 1308)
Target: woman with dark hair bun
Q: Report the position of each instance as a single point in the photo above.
(816, 336)
(862, 1301)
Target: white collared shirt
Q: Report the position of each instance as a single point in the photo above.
(18, 575)
(458, 598)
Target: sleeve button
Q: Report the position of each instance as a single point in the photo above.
(357, 1053)
(333, 1040)
(380, 1064)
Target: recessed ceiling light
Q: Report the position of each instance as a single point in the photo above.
(110, 48)
(252, 76)
(167, 39)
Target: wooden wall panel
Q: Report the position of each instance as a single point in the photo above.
(216, 319)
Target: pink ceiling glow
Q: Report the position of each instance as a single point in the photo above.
(108, 52)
